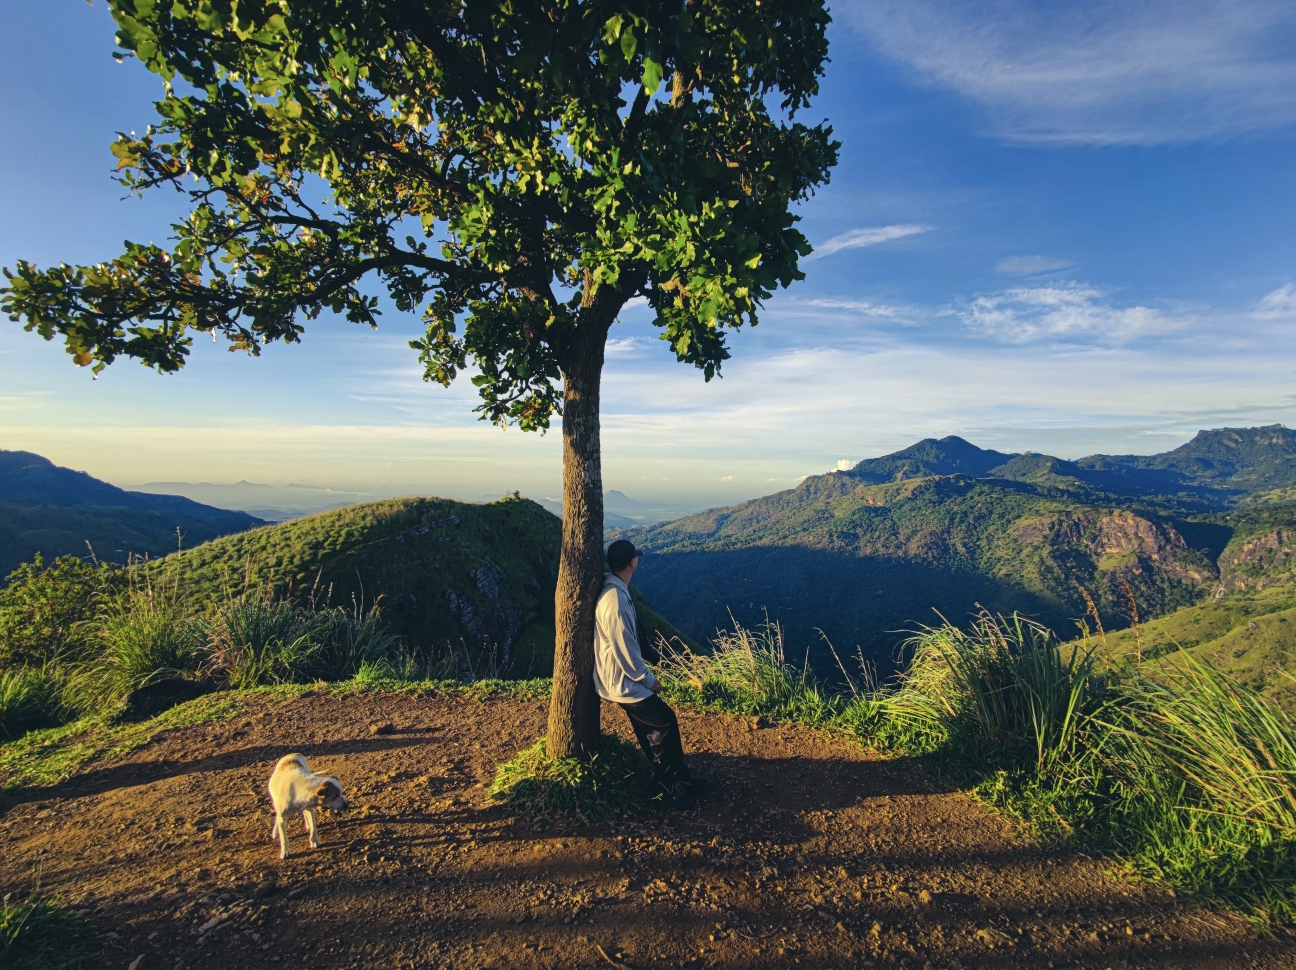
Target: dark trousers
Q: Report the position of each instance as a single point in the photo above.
(658, 732)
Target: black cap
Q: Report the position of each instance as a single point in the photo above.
(620, 553)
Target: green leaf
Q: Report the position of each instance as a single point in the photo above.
(652, 75)
(612, 29)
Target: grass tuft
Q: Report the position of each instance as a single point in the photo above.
(1002, 688)
(30, 697)
(41, 932)
(141, 636)
(612, 783)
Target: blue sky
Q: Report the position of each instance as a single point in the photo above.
(1065, 228)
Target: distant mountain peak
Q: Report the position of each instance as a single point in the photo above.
(22, 459)
(950, 455)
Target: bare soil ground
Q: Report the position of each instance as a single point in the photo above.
(811, 853)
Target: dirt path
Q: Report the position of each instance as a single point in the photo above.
(810, 853)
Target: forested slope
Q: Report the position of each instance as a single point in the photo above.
(865, 554)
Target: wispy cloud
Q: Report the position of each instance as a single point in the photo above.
(856, 306)
(1280, 304)
(1100, 73)
(1026, 265)
(1073, 311)
(859, 238)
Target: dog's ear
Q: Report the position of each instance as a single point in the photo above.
(329, 789)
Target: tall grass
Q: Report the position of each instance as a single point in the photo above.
(256, 639)
(1002, 686)
(356, 640)
(138, 637)
(1202, 784)
(117, 636)
(747, 671)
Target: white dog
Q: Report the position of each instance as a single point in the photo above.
(294, 788)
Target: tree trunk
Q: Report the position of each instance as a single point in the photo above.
(574, 707)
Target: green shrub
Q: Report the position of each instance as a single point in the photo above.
(41, 607)
(30, 697)
(613, 782)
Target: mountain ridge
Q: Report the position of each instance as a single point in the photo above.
(862, 554)
(50, 510)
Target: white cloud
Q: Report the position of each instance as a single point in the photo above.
(856, 306)
(624, 347)
(845, 464)
(1025, 265)
(1069, 311)
(1279, 304)
(726, 478)
(859, 238)
(1100, 73)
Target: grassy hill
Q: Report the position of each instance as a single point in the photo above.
(445, 571)
(54, 511)
(1251, 638)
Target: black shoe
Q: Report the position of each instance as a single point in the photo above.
(699, 786)
(678, 797)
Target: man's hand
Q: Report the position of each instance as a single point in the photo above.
(656, 687)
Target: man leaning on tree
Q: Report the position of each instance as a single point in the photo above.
(622, 678)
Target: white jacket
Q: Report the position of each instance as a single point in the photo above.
(620, 675)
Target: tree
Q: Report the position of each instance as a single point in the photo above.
(516, 168)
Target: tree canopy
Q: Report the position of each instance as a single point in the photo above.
(515, 169)
(518, 170)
